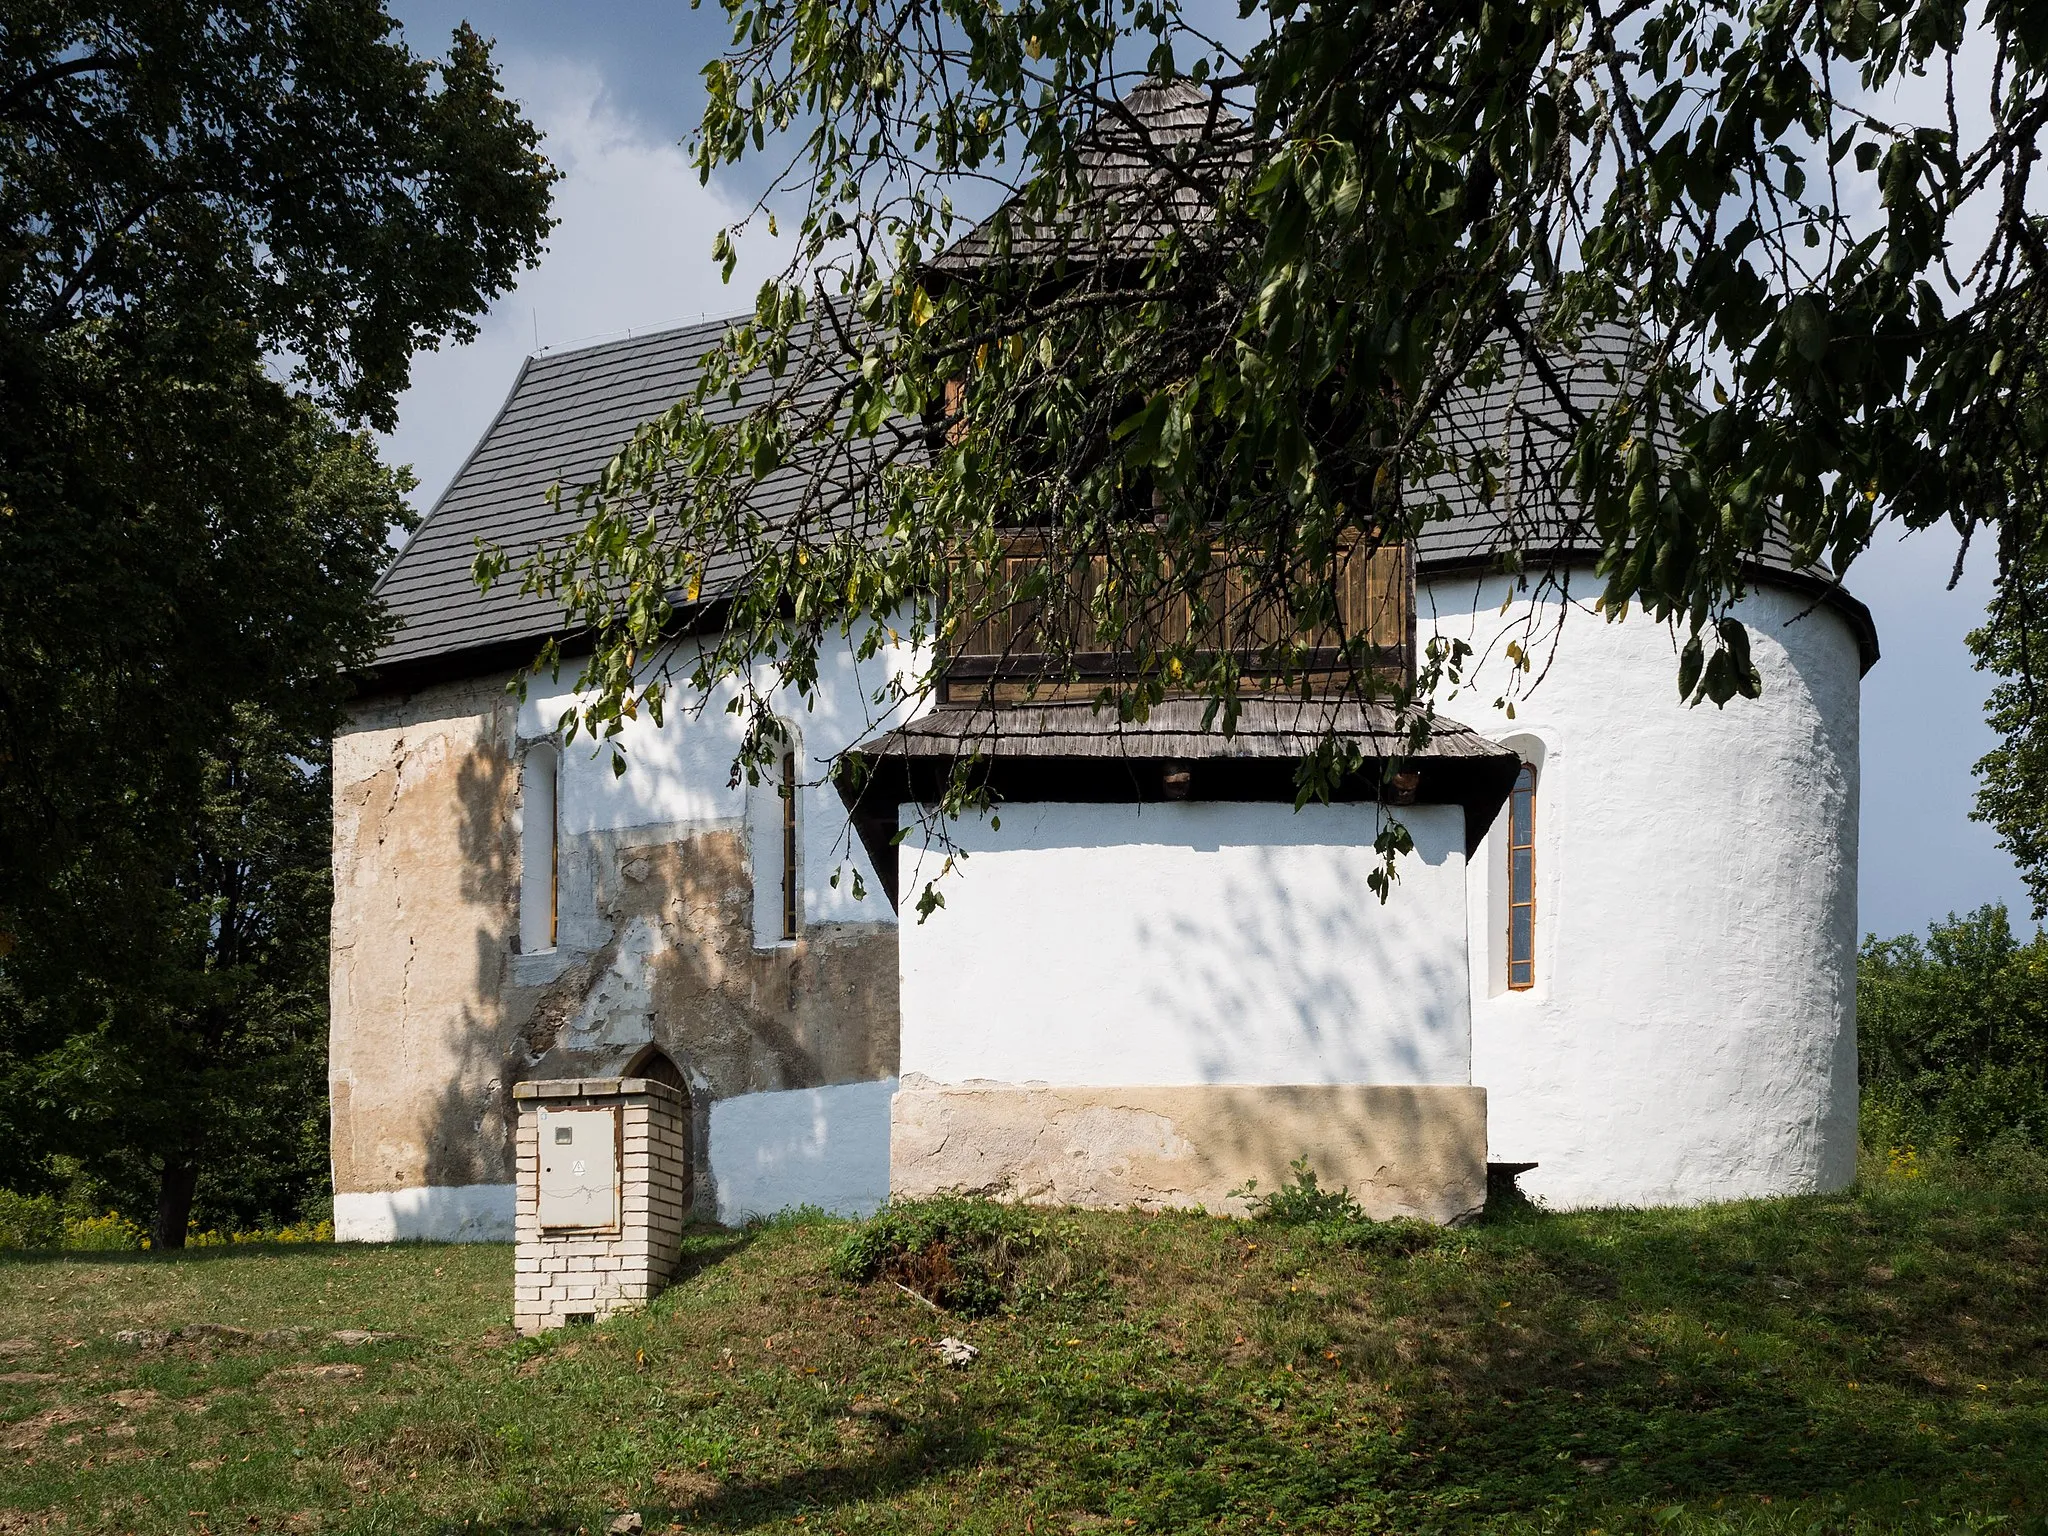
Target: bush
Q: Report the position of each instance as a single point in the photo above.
(44, 1222)
(962, 1254)
(1333, 1216)
(111, 1233)
(321, 1231)
(39, 1221)
(30, 1221)
(1952, 1036)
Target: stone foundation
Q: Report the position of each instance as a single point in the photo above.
(564, 1276)
(1401, 1151)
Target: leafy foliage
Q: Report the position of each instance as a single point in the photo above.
(41, 1221)
(1952, 1035)
(30, 1221)
(198, 198)
(2012, 792)
(292, 172)
(1228, 279)
(1334, 1216)
(957, 1253)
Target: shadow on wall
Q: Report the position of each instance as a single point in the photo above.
(1366, 992)
(468, 1127)
(670, 911)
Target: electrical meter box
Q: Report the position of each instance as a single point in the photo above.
(579, 1170)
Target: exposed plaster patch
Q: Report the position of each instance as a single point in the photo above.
(1401, 1151)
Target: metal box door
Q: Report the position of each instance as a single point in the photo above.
(579, 1169)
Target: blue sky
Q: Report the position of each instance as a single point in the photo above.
(616, 88)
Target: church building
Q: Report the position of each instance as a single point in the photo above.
(1622, 954)
(1620, 959)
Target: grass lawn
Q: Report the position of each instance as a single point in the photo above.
(1870, 1361)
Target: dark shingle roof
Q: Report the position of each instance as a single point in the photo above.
(1519, 420)
(566, 415)
(569, 412)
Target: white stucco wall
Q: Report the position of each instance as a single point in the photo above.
(1187, 944)
(1691, 1033)
(827, 1147)
(678, 773)
(463, 1213)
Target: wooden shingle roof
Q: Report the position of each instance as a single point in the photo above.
(1070, 752)
(1267, 729)
(1132, 199)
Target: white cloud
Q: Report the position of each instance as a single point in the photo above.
(632, 252)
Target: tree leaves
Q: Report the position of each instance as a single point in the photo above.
(199, 201)
(1232, 310)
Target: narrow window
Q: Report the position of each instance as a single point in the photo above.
(791, 896)
(539, 853)
(1522, 881)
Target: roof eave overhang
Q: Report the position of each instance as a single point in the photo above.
(516, 653)
(882, 776)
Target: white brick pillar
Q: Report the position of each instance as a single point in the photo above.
(604, 1190)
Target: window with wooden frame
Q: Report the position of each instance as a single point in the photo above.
(1522, 881)
(792, 893)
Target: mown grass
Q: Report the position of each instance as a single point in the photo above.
(1865, 1362)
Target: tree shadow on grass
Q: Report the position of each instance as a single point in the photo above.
(707, 1247)
(1636, 1372)
(1823, 1349)
(921, 1451)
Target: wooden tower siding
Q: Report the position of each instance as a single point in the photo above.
(1004, 658)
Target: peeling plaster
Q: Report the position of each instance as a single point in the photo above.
(435, 1013)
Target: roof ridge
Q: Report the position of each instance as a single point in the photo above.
(625, 338)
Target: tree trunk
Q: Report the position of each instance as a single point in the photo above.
(174, 1204)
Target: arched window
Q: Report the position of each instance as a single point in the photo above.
(539, 850)
(1522, 881)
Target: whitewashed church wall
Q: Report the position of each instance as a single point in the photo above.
(1691, 1032)
(1196, 943)
(680, 771)
(827, 1147)
(449, 1213)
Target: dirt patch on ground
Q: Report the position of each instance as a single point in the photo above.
(687, 1487)
(20, 1436)
(135, 1399)
(337, 1370)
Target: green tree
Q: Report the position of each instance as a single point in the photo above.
(1224, 284)
(1952, 1033)
(2012, 793)
(228, 227)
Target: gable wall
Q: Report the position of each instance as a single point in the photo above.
(436, 1013)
